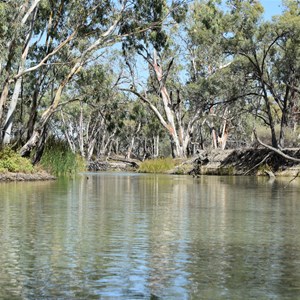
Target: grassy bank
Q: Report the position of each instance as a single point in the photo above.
(57, 159)
(159, 165)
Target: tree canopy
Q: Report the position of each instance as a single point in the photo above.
(148, 78)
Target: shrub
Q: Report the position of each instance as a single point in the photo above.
(11, 161)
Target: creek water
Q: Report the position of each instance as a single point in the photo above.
(136, 236)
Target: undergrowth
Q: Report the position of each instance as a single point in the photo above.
(59, 160)
(11, 161)
(159, 165)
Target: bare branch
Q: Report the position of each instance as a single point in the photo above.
(30, 10)
(43, 61)
(275, 149)
(151, 106)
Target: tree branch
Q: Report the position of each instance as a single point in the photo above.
(275, 149)
(152, 107)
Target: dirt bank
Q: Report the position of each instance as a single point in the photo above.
(259, 161)
(26, 177)
(116, 163)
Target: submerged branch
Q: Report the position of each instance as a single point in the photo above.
(257, 165)
(297, 175)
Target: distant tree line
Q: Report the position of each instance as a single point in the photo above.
(146, 78)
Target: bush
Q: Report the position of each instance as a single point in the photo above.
(159, 165)
(11, 161)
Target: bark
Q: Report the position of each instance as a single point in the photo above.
(156, 146)
(177, 145)
(225, 131)
(5, 88)
(285, 116)
(40, 147)
(90, 149)
(283, 127)
(14, 100)
(81, 139)
(131, 145)
(66, 133)
(105, 143)
(23, 16)
(214, 138)
(271, 120)
(32, 142)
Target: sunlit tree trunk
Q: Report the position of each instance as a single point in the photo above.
(131, 145)
(7, 128)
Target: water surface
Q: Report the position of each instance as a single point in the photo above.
(133, 236)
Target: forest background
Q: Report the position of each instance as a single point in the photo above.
(145, 79)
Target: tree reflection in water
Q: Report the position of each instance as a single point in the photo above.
(135, 236)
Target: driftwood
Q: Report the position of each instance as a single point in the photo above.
(297, 175)
(129, 161)
(270, 174)
(257, 165)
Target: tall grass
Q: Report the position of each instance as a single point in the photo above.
(59, 160)
(159, 165)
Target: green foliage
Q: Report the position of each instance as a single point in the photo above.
(11, 161)
(59, 160)
(160, 165)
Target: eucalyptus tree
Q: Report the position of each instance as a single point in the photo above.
(286, 71)
(217, 84)
(164, 98)
(16, 34)
(32, 21)
(133, 126)
(45, 34)
(85, 29)
(164, 93)
(271, 56)
(84, 113)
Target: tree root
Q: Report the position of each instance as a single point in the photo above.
(257, 165)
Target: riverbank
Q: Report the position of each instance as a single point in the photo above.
(232, 162)
(39, 176)
(250, 161)
(13, 167)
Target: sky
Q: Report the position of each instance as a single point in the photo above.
(272, 7)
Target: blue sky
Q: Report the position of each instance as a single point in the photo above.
(272, 7)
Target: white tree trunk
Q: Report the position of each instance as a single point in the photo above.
(81, 138)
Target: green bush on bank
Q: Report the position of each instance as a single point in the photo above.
(11, 161)
(159, 165)
(59, 160)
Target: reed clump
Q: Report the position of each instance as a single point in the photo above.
(159, 165)
(59, 160)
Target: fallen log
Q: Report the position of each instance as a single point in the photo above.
(131, 162)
